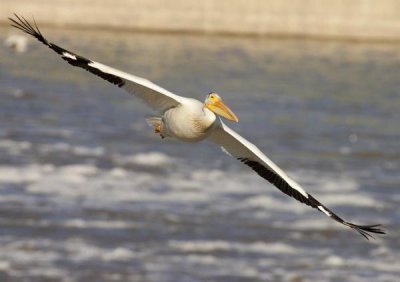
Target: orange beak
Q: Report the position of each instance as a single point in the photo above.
(222, 110)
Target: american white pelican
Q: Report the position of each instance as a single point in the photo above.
(190, 120)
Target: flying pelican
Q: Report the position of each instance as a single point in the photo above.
(190, 120)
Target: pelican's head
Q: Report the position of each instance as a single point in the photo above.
(214, 103)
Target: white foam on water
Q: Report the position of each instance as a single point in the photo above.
(272, 204)
(64, 180)
(313, 222)
(32, 173)
(334, 261)
(26, 252)
(273, 201)
(314, 181)
(57, 147)
(86, 185)
(85, 151)
(14, 147)
(103, 224)
(78, 169)
(119, 172)
(98, 187)
(68, 148)
(363, 263)
(151, 159)
(5, 265)
(109, 187)
(351, 199)
(118, 254)
(81, 250)
(201, 265)
(215, 246)
(218, 182)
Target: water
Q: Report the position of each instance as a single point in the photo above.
(89, 193)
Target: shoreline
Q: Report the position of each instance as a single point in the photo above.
(272, 36)
(355, 21)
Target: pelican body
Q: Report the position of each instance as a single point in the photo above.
(191, 121)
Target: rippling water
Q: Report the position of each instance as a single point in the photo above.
(89, 193)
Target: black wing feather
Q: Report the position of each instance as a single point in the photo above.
(72, 58)
(282, 185)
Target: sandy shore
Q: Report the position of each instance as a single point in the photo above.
(354, 20)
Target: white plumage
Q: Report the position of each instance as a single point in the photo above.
(190, 120)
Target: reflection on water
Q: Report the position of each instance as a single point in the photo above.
(88, 192)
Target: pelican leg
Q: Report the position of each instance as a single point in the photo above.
(156, 123)
(157, 129)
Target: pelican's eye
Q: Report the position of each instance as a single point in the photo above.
(212, 97)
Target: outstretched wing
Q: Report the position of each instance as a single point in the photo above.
(241, 149)
(155, 96)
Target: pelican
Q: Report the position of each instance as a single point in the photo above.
(190, 120)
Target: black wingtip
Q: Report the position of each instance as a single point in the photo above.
(23, 24)
(72, 58)
(366, 230)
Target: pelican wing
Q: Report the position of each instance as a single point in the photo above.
(155, 96)
(241, 149)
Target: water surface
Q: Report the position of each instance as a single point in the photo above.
(89, 193)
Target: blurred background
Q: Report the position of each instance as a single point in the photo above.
(89, 193)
